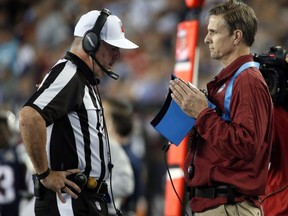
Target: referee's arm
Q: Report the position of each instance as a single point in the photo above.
(33, 132)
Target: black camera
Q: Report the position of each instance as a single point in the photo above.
(274, 68)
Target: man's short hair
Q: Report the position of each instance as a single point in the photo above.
(238, 15)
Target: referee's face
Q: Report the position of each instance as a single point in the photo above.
(107, 55)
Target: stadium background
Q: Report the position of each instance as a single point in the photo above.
(34, 34)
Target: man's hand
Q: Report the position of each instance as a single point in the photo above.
(191, 100)
(57, 181)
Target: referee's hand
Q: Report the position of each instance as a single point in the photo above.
(57, 181)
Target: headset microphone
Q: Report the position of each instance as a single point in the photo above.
(108, 72)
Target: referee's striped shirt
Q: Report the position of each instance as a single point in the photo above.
(73, 113)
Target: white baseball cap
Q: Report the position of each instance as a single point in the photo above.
(112, 31)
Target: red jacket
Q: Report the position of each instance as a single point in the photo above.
(235, 153)
(275, 201)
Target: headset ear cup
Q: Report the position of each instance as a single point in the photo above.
(90, 42)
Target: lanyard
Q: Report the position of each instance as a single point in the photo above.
(226, 115)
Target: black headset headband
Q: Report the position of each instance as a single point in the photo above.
(100, 21)
(91, 40)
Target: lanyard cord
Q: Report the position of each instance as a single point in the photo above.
(228, 94)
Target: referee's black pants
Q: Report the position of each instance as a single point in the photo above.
(89, 203)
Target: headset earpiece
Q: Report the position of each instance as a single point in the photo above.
(91, 40)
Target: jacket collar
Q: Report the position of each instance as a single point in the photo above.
(230, 70)
(81, 66)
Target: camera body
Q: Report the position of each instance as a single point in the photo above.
(274, 68)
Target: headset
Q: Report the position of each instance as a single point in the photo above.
(92, 40)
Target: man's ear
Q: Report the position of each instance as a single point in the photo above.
(238, 36)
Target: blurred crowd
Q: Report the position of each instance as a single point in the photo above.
(34, 34)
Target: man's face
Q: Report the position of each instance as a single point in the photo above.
(219, 39)
(107, 55)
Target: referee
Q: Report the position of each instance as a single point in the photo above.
(62, 124)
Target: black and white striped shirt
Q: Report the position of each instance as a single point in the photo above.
(72, 109)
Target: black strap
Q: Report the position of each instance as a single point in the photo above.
(212, 192)
(44, 175)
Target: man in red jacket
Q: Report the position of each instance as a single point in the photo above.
(227, 163)
(275, 71)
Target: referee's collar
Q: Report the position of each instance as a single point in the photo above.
(83, 68)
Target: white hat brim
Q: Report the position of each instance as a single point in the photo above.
(122, 43)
